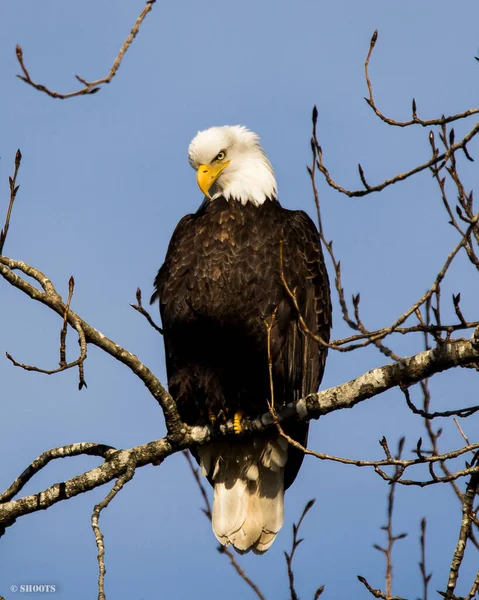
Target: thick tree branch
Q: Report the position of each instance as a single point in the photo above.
(313, 406)
(407, 371)
(82, 448)
(114, 467)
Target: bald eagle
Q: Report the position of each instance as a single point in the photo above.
(219, 286)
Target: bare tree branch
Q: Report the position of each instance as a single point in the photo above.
(377, 593)
(435, 434)
(89, 87)
(86, 448)
(405, 372)
(415, 119)
(474, 589)
(50, 297)
(140, 308)
(366, 337)
(63, 333)
(95, 517)
(444, 157)
(295, 544)
(467, 507)
(408, 371)
(388, 528)
(115, 466)
(343, 396)
(426, 577)
(459, 412)
(13, 194)
(437, 159)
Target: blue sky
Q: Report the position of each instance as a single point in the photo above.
(105, 179)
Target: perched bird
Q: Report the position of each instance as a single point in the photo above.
(220, 289)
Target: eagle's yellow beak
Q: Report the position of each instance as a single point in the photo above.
(206, 175)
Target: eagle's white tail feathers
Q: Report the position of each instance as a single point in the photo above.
(248, 491)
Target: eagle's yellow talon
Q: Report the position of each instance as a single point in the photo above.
(237, 419)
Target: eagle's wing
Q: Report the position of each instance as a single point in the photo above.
(177, 262)
(301, 357)
(170, 288)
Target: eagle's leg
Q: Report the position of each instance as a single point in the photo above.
(237, 421)
(214, 417)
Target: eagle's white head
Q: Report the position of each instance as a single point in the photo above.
(230, 162)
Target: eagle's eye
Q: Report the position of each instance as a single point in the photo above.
(221, 155)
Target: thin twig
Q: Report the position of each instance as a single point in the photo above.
(140, 308)
(64, 366)
(399, 176)
(426, 577)
(415, 119)
(315, 148)
(388, 528)
(367, 337)
(437, 159)
(63, 333)
(100, 542)
(377, 593)
(196, 474)
(463, 435)
(13, 194)
(295, 544)
(89, 87)
(460, 412)
(385, 331)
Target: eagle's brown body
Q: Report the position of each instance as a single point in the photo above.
(218, 287)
